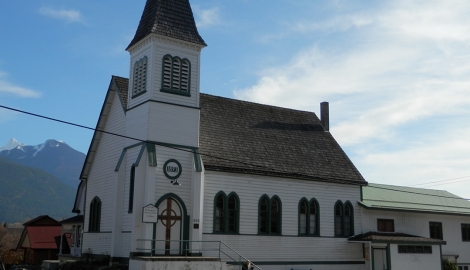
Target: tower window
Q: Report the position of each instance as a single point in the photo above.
(176, 75)
(139, 85)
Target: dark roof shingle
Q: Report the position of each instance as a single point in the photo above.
(260, 139)
(170, 18)
(245, 137)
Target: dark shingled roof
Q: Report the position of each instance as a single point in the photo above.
(170, 18)
(245, 137)
(122, 85)
(393, 237)
(269, 140)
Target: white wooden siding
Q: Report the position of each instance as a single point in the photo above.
(96, 243)
(173, 124)
(415, 261)
(102, 178)
(250, 188)
(418, 224)
(137, 122)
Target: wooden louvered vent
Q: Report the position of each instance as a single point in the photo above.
(176, 75)
(140, 77)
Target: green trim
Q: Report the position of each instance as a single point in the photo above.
(389, 258)
(152, 154)
(94, 221)
(144, 62)
(172, 90)
(304, 262)
(406, 242)
(225, 222)
(162, 102)
(269, 217)
(175, 92)
(307, 216)
(185, 223)
(124, 150)
(410, 211)
(131, 190)
(340, 234)
(303, 200)
(220, 193)
(139, 157)
(362, 193)
(139, 94)
(197, 160)
(351, 218)
(180, 168)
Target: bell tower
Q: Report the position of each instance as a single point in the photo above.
(163, 111)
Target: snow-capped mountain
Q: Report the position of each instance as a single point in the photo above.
(52, 156)
(12, 144)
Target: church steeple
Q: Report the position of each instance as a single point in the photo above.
(170, 18)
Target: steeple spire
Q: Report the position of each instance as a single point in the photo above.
(170, 18)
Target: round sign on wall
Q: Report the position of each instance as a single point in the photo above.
(172, 169)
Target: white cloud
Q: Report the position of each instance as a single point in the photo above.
(9, 88)
(63, 14)
(391, 71)
(207, 17)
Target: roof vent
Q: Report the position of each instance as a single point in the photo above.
(325, 115)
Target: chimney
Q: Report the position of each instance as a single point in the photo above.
(325, 115)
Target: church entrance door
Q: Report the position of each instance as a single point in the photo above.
(169, 227)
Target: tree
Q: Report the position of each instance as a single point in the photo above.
(448, 265)
(5, 225)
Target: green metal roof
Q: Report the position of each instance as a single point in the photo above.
(387, 197)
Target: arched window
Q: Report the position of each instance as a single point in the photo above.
(270, 215)
(139, 79)
(344, 219)
(95, 215)
(348, 219)
(176, 75)
(339, 218)
(303, 208)
(308, 217)
(226, 213)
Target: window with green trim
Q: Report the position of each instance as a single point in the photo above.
(131, 190)
(309, 217)
(415, 249)
(344, 219)
(176, 75)
(270, 215)
(139, 79)
(226, 213)
(95, 215)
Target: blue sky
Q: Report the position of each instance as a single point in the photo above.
(396, 73)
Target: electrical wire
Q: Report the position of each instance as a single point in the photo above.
(231, 160)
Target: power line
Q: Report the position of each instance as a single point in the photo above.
(208, 155)
(440, 181)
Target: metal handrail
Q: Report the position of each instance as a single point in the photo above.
(187, 250)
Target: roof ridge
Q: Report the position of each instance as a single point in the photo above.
(257, 103)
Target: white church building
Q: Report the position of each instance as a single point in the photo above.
(176, 175)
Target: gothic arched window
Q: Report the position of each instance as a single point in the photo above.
(95, 215)
(226, 213)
